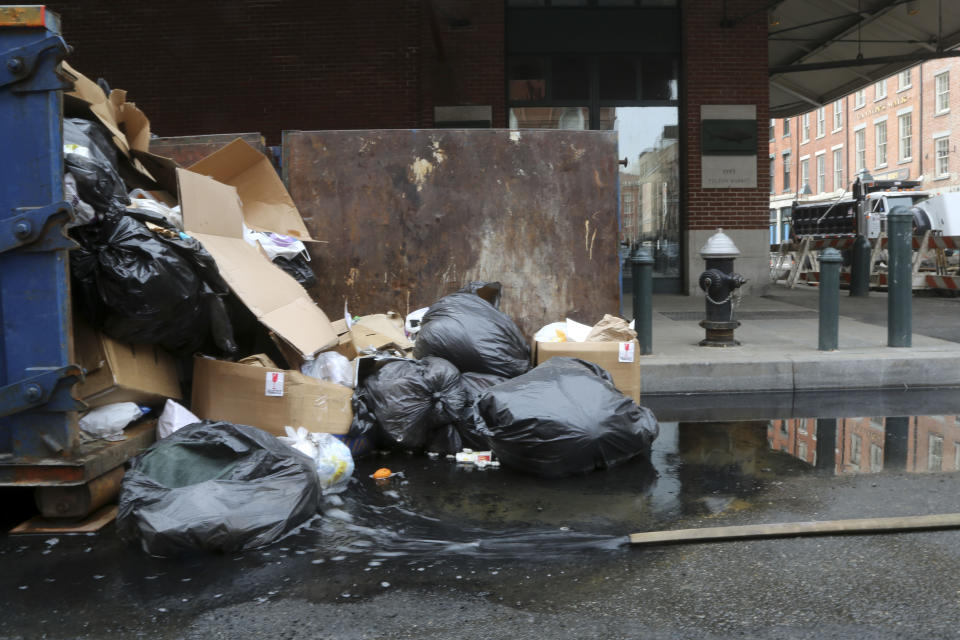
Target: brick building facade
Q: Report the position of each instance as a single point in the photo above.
(898, 128)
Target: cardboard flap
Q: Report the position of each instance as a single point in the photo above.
(212, 214)
(209, 207)
(378, 331)
(267, 206)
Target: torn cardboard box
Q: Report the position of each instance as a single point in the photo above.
(620, 359)
(213, 214)
(379, 331)
(269, 398)
(120, 372)
(267, 206)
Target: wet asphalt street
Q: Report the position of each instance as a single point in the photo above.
(448, 552)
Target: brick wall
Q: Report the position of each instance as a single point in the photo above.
(720, 67)
(267, 65)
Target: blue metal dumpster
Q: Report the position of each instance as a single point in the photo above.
(38, 416)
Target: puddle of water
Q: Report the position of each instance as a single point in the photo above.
(717, 456)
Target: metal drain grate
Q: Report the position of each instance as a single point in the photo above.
(800, 314)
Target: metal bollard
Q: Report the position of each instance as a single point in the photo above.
(830, 261)
(900, 277)
(860, 267)
(641, 264)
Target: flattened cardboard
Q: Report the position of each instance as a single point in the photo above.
(213, 214)
(626, 375)
(267, 206)
(235, 392)
(119, 372)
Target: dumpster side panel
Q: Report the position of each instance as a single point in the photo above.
(34, 285)
(408, 216)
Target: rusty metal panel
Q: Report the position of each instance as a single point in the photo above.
(187, 150)
(409, 216)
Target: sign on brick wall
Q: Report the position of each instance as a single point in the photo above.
(728, 146)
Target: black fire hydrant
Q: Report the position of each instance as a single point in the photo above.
(719, 283)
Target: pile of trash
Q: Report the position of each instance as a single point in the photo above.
(192, 308)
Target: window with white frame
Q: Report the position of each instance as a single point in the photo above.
(860, 149)
(802, 450)
(943, 156)
(786, 170)
(804, 173)
(906, 136)
(956, 456)
(856, 449)
(772, 129)
(838, 169)
(880, 129)
(859, 98)
(821, 122)
(935, 453)
(786, 127)
(773, 163)
(942, 90)
(876, 458)
(805, 127)
(903, 80)
(880, 90)
(821, 173)
(838, 115)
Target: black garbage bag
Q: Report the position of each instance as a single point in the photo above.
(150, 288)
(89, 155)
(471, 426)
(410, 404)
(565, 417)
(299, 268)
(216, 486)
(472, 334)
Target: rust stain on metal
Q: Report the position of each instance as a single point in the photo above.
(413, 215)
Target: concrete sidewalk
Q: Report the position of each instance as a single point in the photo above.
(779, 338)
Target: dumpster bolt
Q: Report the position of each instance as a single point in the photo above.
(33, 393)
(15, 65)
(22, 229)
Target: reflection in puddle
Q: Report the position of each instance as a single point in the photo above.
(870, 445)
(701, 466)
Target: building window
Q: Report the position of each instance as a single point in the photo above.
(786, 127)
(838, 170)
(804, 173)
(784, 429)
(856, 449)
(802, 450)
(935, 453)
(838, 115)
(786, 171)
(772, 129)
(943, 156)
(805, 127)
(821, 122)
(876, 458)
(860, 149)
(956, 456)
(881, 131)
(880, 90)
(859, 98)
(903, 80)
(906, 137)
(821, 173)
(773, 164)
(943, 91)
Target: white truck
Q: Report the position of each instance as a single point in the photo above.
(940, 213)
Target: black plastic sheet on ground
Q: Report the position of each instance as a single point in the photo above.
(216, 486)
(565, 417)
